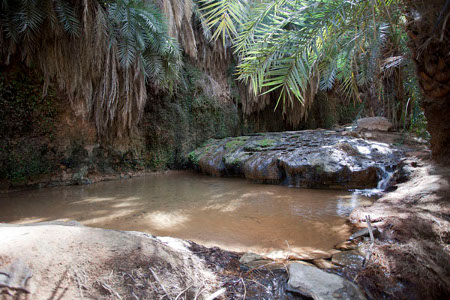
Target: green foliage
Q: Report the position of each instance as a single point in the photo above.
(419, 124)
(224, 15)
(32, 166)
(22, 159)
(27, 117)
(295, 48)
(140, 31)
(193, 157)
(265, 143)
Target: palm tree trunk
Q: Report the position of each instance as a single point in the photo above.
(429, 30)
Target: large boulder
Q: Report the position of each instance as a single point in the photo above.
(320, 285)
(308, 159)
(374, 123)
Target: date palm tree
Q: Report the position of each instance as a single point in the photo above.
(296, 47)
(429, 39)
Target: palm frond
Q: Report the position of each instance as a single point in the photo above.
(287, 46)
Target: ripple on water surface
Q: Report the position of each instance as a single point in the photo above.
(234, 214)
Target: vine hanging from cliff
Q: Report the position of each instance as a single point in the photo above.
(101, 54)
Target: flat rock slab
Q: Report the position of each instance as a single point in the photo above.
(14, 278)
(320, 285)
(306, 159)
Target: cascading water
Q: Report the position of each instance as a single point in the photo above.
(385, 175)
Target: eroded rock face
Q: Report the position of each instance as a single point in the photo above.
(308, 159)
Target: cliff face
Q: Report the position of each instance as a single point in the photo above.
(45, 141)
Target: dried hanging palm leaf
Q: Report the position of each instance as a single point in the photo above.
(101, 54)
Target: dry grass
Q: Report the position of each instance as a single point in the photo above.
(88, 68)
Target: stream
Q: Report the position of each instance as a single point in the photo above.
(230, 213)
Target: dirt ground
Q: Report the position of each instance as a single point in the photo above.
(76, 262)
(58, 260)
(411, 256)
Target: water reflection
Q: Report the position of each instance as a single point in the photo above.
(231, 213)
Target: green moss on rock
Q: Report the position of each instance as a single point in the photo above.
(233, 144)
(265, 143)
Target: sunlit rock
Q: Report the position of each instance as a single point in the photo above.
(307, 159)
(374, 123)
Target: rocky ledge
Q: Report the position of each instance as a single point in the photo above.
(307, 159)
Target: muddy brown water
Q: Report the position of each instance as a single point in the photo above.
(231, 213)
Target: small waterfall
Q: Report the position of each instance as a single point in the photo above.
(385, 175)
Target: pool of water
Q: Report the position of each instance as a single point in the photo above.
(231, 213)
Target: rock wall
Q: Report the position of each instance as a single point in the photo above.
(44, 143)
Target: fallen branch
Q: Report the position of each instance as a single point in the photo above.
(369, 253)
(265, 287)
(134, 295)
(79, 284)
(261, 267)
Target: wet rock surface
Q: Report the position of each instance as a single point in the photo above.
(307, 159)
(312, 282)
